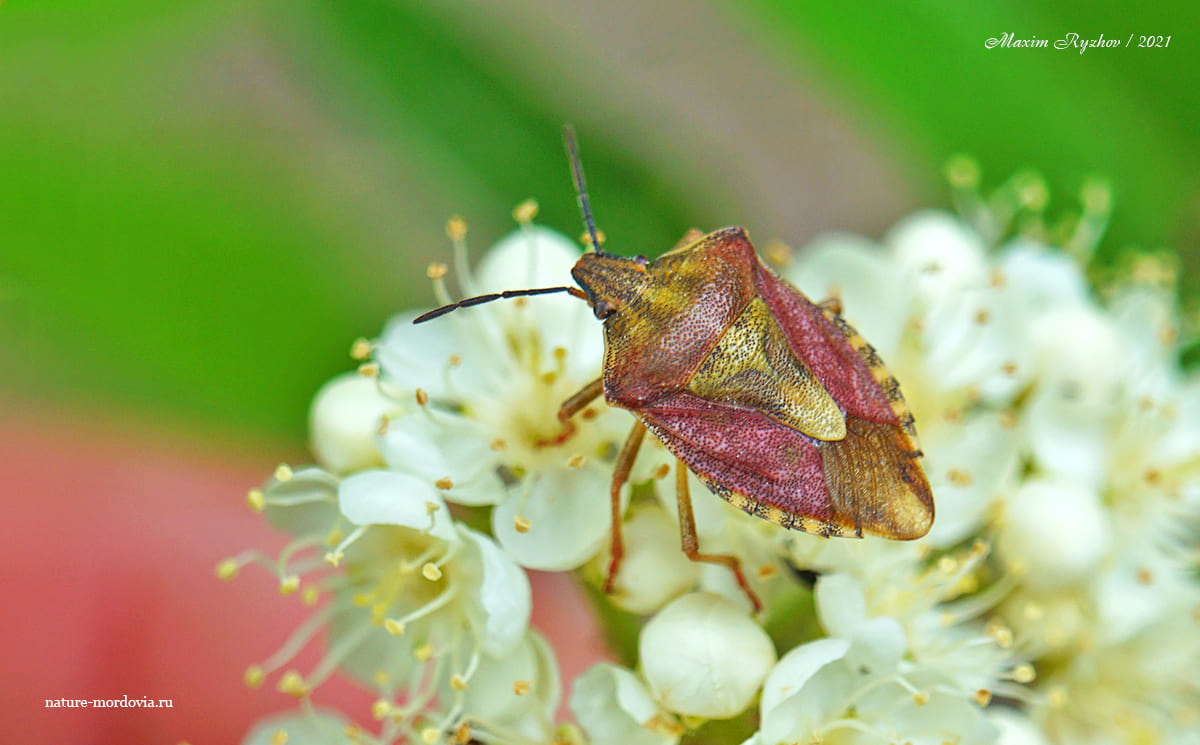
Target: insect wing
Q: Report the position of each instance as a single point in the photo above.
(772, 462)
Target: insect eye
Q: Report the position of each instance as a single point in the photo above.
(603, 310)
(641, 260)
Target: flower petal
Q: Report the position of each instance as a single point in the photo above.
(841, 604)
(568, 516)
(390, 498)
(503, 595)
(614, 707)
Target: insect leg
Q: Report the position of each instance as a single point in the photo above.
(570, 408)
(621, 471)
(833, 305)
(691, 542)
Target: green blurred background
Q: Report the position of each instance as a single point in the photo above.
(203, 204)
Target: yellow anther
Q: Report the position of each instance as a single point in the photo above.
(333, 558)
(576, 461)
(289, 584)
(983, 697)
(920, 698)
(380, 709)
(766, 571)
(778, 253)
(1003, 637)
(586, 238)
(1096, 196)
(947, 565)
(456, 228)
(256, 500)
(1145, 576)
(422, 397)
(279, 737)
(457, 682)
(1057, 697)
(521, 687)
(662, 471)
(958, 478)
(283, 472)
(589, 414)
(1024, 673)
(455, 360)
(526, 211)
(982, 317)
(435, 270)
(227, 569)
(522, 524)
(497, 444)
(560, 354)
(1033, 612)
(431, 507)
(1010, 368)
(361, 599)
(962, 171)
(254, 676)
(444, 483)
(462, 734)
(381, 677)
(423, 652)
(549, 378)
(394, 627)
(429, 736)
(360, 349)
(980, 548)
(431, 572)
(310, 596)
(369, 369)
(293, 684)
(997, 279)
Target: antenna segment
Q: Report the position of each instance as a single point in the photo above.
(479, 299)
(581, 186)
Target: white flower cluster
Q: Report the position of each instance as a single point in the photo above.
(1054, 601)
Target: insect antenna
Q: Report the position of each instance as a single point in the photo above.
(581, 186)
(480, 299)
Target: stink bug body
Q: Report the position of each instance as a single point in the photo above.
(774, 402)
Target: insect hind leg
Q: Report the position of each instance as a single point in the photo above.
(691, 542)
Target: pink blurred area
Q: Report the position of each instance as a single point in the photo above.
(112, 536)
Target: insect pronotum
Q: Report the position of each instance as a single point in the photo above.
(774, 402)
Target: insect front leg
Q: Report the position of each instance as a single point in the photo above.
(621, 471)
(691, 542)
(570, 408)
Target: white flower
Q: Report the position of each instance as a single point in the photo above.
(862, 690)
(484, 386)
(703, 656)
(419, 606)
(614, 708)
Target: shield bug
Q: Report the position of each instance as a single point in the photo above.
(776, 403)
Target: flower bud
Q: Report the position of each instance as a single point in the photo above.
(703, 656)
